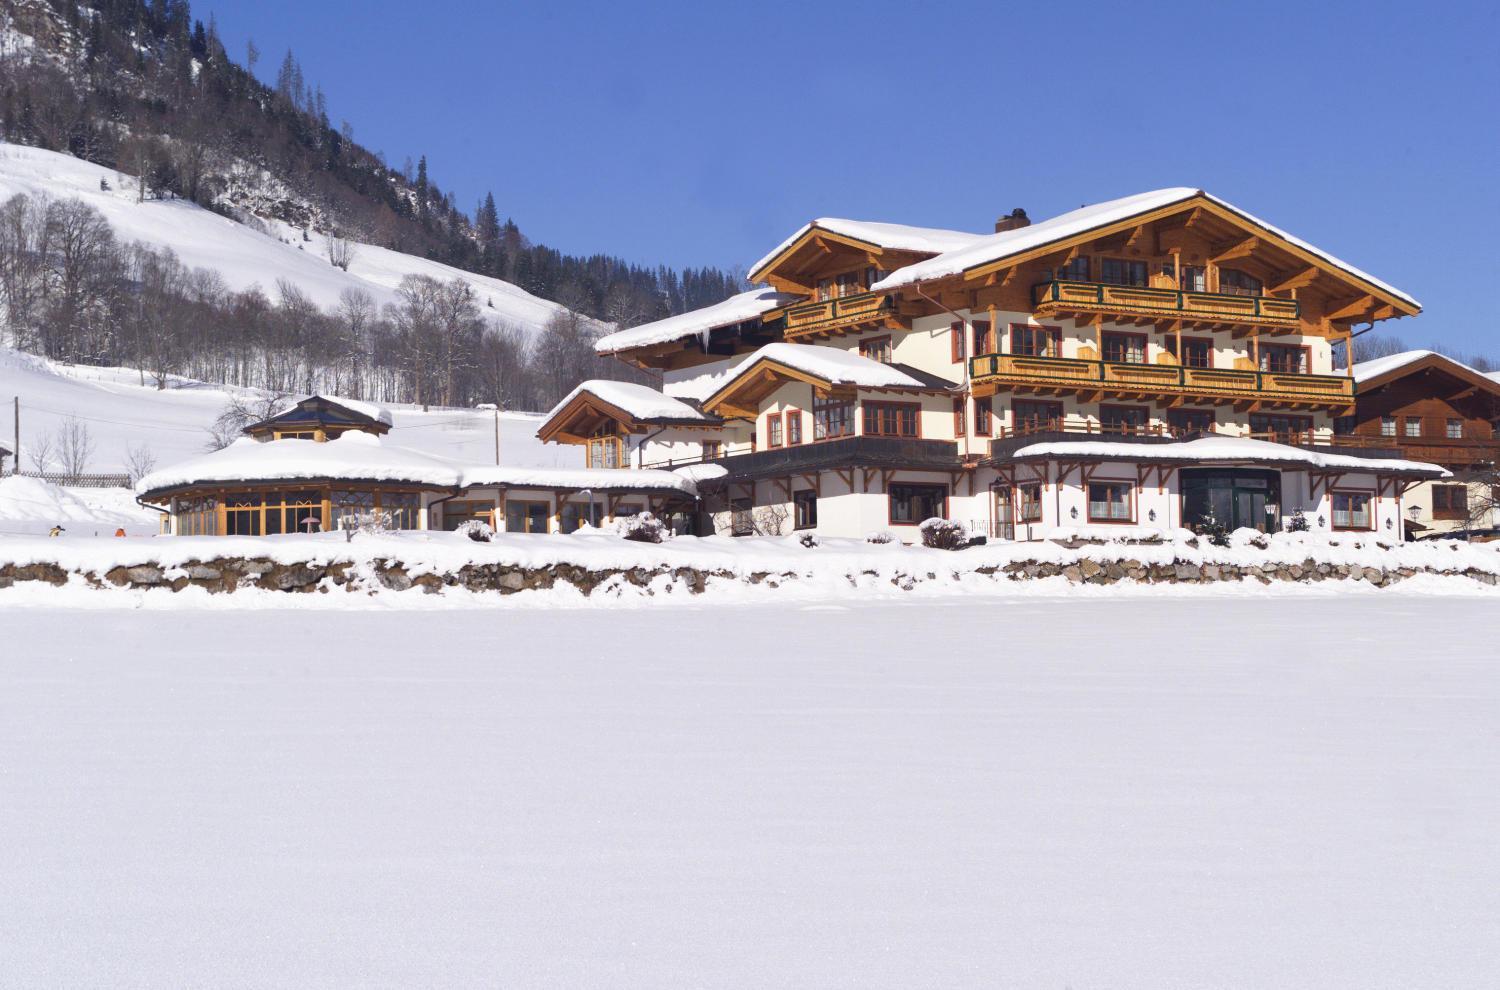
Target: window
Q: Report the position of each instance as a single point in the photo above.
(1233, 282)
(1196, 352)
(1109, 501)
(1388, 426)
(1118, 271)
(876, 349)
(956, 341)
(403, 508)
(911, 505)
(1283, 359)
(575, 514)
(714, 449)
(960, 428)
(197, 517)
(1031, 415)
(1455, 429)
(773, 430)
(1125, 348)
(1413, 426)
(1124, 419)
(805, 509)
(851, 283)
(605, 452)
(1194, 279)
(1450, 501)
(1344, 426)
(832, 418)
(526, 517)
(1029, 502)
(354, 506)
(984, 416)
(793, 427)
(1279, 424)
(1184, 421)
(1033, 341)
(1351, 510)
(984, 337)
(242, 515)
(892, 419)
(455, 514)
(1076, 270)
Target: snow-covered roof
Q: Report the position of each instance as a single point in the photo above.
(605, 479)
(1224, 449)
(831, 364)
(891, 236)
(352, 456)
(1365, 371)
(989, 248)
(640, 402)
(698, 322)
(369, 410)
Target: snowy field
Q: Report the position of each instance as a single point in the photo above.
(1155, 790)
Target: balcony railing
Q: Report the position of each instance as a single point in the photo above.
(805, 319)
(1168, 379)
(1200, 307)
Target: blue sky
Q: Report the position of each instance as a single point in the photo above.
(702, 134)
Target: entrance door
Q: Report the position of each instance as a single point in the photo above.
(1002, 525)
(1232, 498)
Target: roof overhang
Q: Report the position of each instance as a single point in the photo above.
(741, 395)
(1431, 362)
(587, 413)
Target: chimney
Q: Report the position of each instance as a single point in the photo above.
(1015, 221)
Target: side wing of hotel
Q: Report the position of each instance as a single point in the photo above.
(1160, 361)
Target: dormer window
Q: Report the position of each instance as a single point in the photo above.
(605, 451)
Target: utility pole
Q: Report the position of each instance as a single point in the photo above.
(16, 467)
(496, 407)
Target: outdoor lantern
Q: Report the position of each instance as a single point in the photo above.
(1414, 511)
(1321, 523)
(1073, 512)
(1387, 524)
(1151, 515)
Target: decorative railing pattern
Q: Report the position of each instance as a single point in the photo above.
(1167, 303)
(830, 314)
(1167, 378)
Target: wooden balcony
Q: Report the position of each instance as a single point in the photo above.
(1154, 382)
(1137, 304)
(830, 316)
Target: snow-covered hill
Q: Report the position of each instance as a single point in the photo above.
(122, 412)
(245, 256)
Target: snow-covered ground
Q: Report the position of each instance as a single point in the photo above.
(245, 256)
(1168, 790)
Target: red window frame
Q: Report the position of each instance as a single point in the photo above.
(1333, 509)
(876, 419)
(1054, 411)
(1115, 336)
(1192, 344)
(960, 426)
(793, 429)
(774, 425)
(1303, 352)
(1143, 411)
(1022, 513)
(890, 500)
(984, 416)
(984, 337)
(956, 341)
(1054, 335)
(1184, 420)
(883, 344)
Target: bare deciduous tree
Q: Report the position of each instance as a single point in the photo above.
(139, 461)
(41, 451)
(340, 251)
(75, 448)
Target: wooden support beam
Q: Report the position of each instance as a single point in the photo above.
(1240, 249)
(1352, 309)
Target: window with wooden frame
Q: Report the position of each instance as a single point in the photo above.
(1388, 426)
(1076, 270)
(1122, 271)
(1284, 359)
(741, 517)
(713, 450)
(956, 341)
(1031, 415)
(1455, 429)
(793, 427)
(876, 349)
(1197, 352)
(1035, 341)
(575, 514)
(851, 283)
(960, 427)
(1450, 501)
(984, 337)
(911, 505)
(1233, 282)
(804, 509)
(773, 430)
(1029, 502)
(1128, 420)
(832, 418)
(1193, 278)
(1279, 424)
(892, 419)
(1353, 510)
(456, 513)
(984, 416)
(526, 516)
(605, 450)
(1111, 501)
(1125, 348)
(1413, 427)
(1185, 421)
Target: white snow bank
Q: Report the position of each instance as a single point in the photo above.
(892, 236)
(353, 456)
(1226, 449)
(32, 506)
(735, 309)
(640, 402)
(614, 479)
(990, 248)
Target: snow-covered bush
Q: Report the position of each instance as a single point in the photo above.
(809, 540)
(476, 530)
(1298, 523)
(880, 536)
(944, 534)
(1247, 537)
(373, 521)
(644, 528)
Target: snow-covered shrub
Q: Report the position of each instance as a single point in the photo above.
(944, 534)
(374, 521)
(808, 539)
(476, 530)
(1247, 537)
(880, 536)
(1298, 523)
(644, 528)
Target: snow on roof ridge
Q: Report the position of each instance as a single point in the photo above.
(933, 240)
(641, 401)
(832, 364)
(1375, 367)
(697, 322)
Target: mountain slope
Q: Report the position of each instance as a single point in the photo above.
(243, 255)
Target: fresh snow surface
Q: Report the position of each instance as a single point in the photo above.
(369, 410)
(31, 506)
(580, 478)
(641, 402)
(122, 411)
(735, 309)
(1180, 791)
(831, 364)
(1225, 449)
(994, 247)
(245, 256)
(353, 456)
(1364, 371)
(892, 236)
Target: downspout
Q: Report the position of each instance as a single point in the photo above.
(437, 502)
(967, 386)
(147, 505)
